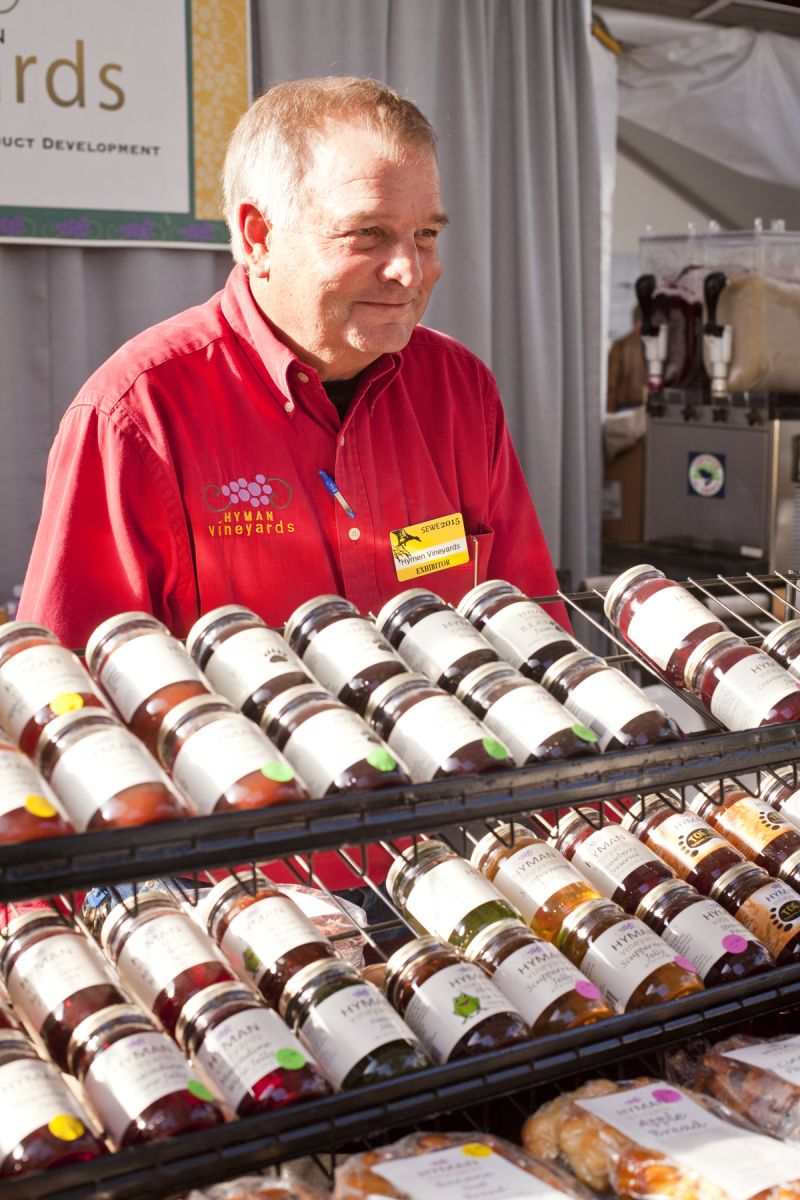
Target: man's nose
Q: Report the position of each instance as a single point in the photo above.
(403, 263)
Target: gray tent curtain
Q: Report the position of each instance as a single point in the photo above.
(508, 86)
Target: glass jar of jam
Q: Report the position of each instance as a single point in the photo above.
(431, 732)
(342, 649)
(659, 618)
(54, 977)
(545, 988)
(331, 747)
(39, 679)
(103, 775)
(769, 908)
(753, 827)
(29, 808)
(42, 1126)
(161, 955)
(783, 644)
(687, 843)
(143, 669)
(630, 964)
(137, 1080)
(521, 631)
(717, 945)
(221, 760)
(740, 685)
(450, 1004)
(612, 858)
(608, 702)
(533, 876)
(441, 894)
(243, 659)
(262, 932)
(245, 1053)
(432, 638)
(524, 716)
(348, 1025)
(781, 791)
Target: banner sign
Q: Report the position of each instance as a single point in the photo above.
(114, 117)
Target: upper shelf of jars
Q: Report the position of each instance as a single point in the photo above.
(245, 744)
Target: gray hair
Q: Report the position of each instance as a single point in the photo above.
(268, 151)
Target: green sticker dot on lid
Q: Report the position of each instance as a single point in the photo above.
(199, 1090)
(583, 732)
(381, 759)
(289, 1059)
(251, 960)
(495, 748)
(280, 772)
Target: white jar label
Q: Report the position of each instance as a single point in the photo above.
(525, 717)
(345, 1027)
(536, 976)
(50, 971)
(329, 743)
(664, 620)
(242, 1050)
(606, 702)
(470, 1172)
(244, 661)
(430, 731)
(532, 875)
(449, 1004)
(218, 755)
(98, 766)
(521, 630)
(263, 932)
(622, 957)
(443, 895)
(610, 855)
(31, 679)
(158, 951)
(132, 1074)
(142, 665)
(22, 786)
(660, 1117)
(40, 1098)
(781, 1057)
(747, 692)
(703, 933)
(343, 649)
(437, 641)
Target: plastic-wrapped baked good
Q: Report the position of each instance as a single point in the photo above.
(451, 1166)
(645, 1138)
(332, 919)
(257, 1187)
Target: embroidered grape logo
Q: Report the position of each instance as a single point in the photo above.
(466, 1006)
(241, 492)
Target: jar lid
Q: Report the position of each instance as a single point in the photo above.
(404, 683)
(309, 607)
(778, 780)
(112, 1014)
(772, 639)
(207, 908)
(110, 626)
(484, 938)
(393, 606)
(651, 898)
(489, 672)
(702, 649)
(312, 972)
(738, 871)
(284, 700)
(211, 701)
(18, 924)
(475, 597)
(203, 624)
(193, 1008)
(642, 807)
(574, 918)
(59, 726)
(618, 586)
(494, 837)
(409, 857)
(562, 665)
(133, 905)
(417, 950)
(12, 629)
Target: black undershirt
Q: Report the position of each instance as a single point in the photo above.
(340, 392)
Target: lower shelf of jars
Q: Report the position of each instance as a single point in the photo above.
(172, 1167)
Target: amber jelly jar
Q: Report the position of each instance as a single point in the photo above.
(769, 908)
(740, 685)
(433, 638)
(753, 827)
(612, 858)
(29, 808)
(521, 631)
(687, 843)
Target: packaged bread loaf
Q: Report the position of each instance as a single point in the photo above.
(451, 1166)
(645, 1138)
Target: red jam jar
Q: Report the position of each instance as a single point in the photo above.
(137, 1080)
(331, 747)
(753, 827)
(431, 732)
(432, 638)
(162, 957)
(717, 945)
(243, 659)
(608, 702)
(659, 618)
(740, 685)
(39, 679)
(143, 669)
(55, 977)
(769, 908)
(342, 649)
(42, 1126)
(783, 644)
(103, 775)
(687, 843)
(222, 761)
(521, 631)
(29, 808)
(524, 716)
(612, 858)
(245, 1053)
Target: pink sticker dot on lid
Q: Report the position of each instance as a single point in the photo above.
(734, 943)
(666, 1095)
(684, 962)
(588, 990)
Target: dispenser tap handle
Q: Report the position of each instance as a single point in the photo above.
(712, 290)
(644, 287)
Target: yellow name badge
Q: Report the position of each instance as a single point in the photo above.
(430, 546)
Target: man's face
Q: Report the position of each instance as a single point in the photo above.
(351, 278)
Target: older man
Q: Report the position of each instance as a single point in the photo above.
(293, 435)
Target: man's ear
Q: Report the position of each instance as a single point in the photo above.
(255, 231)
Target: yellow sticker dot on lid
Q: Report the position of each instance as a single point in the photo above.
(476, 1150)
(65, 703)
(66, 1128)
(37, 806)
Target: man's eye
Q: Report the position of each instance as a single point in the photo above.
(370, 232)
(427, 235)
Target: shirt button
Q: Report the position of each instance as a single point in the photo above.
(341, 440)
(301, 375)
(354, 534)
(289, 406)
